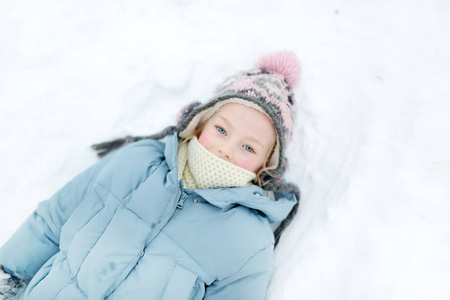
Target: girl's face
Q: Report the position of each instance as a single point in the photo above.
(239, 134)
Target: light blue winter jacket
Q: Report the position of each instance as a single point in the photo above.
(126, 229)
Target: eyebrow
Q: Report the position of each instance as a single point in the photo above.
(255, 140)
(226, 121)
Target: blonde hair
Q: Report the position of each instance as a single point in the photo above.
(264, 168)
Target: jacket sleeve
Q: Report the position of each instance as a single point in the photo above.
(37, 239)
(249, 283)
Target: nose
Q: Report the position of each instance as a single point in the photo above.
(225, 152)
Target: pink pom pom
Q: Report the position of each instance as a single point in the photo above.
(284, 63)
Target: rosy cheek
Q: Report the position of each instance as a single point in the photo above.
(205, 140)
(247, 165)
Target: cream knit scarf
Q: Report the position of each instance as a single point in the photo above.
(201, 169)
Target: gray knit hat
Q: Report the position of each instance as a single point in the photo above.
(267, 88)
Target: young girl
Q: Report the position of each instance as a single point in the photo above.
(188, 218)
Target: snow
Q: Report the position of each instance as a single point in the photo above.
(371, 152)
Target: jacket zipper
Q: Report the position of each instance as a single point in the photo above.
(181, 200)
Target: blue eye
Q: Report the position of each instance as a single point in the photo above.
(221, 130)
(249, 149)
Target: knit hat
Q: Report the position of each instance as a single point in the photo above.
(267, 88)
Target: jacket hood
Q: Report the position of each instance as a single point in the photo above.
(225, 198)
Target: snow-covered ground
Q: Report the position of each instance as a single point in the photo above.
(372, 147)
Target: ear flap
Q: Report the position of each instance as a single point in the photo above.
(186, 111)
